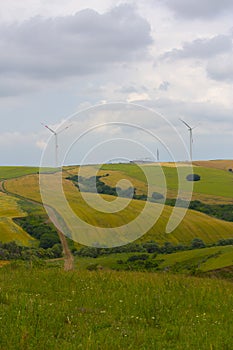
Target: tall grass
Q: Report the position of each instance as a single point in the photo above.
(50, 309)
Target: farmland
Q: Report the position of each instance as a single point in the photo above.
(9, 231)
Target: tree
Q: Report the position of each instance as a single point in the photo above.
(151, 247)
(47, 240)
(197, 243)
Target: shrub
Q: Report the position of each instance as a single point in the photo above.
(92, 267)
(193, 177)
(197, 243)
(157, 195)
(151, 247)
(138, 257)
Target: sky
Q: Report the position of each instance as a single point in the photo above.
(116, 67)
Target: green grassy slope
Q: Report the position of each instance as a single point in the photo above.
(50, 309)
(9, 172)
(205, 259)
(215, 182)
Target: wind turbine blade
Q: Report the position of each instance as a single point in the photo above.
(64, 129)
(196, 126)
(188, 126)
(46, 126)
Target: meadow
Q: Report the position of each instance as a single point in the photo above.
(50, 309)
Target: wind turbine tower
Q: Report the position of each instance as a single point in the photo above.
(191, 137)
(56, 140)
(158, 158)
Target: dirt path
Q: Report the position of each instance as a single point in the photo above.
(1, 187)
(59, 222)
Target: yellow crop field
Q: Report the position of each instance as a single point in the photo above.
(222, 164)
(9, 231)
(194, 224)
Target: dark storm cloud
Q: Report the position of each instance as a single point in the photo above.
(202, 48)
(205, 9)
(85, 43)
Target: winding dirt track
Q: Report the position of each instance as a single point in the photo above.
(59, 222)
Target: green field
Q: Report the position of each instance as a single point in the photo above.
(214, 182)
(10, 172)
(50, 309)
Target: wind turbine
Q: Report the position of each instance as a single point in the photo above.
(191, 137)
(157, 155)
(56, 140)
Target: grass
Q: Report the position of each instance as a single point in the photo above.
(9, 231)
(50, 309)
(9, 172)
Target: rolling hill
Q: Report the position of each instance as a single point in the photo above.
(195, 224)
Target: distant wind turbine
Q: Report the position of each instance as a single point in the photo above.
(56, 139)
(157, 155)
(191, 137)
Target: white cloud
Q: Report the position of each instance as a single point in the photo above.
(41, 144)
(134, 96)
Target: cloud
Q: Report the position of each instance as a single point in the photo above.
(134, 97)
(221, 68)
(194, 112)
(202, 48)
(205, 9)
(73, 45)
(127, 89)
(41, 144)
